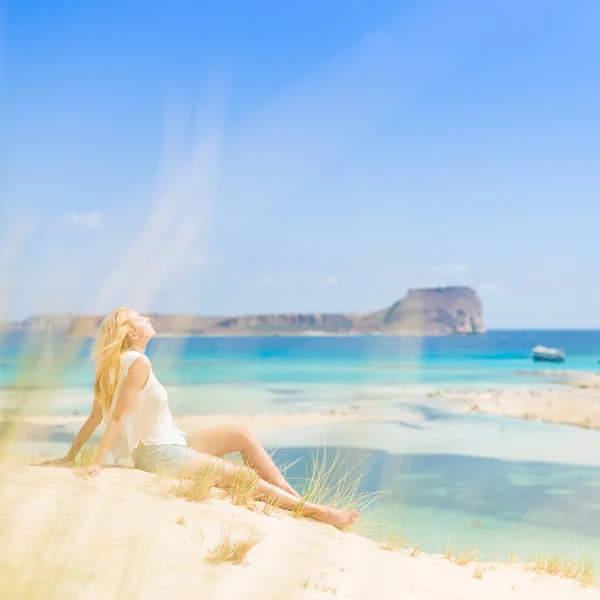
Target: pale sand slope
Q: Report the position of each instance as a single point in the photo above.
(116, 536)
(578, 403)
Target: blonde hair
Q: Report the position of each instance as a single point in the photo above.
(112, 340)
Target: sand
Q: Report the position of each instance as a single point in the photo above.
(117, 536)
(37, 429)
(258, 421)
(576, 402)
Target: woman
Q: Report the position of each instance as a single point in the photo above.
(133, 404)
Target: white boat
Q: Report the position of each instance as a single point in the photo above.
(548, 354)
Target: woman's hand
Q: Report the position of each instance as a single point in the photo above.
(57, 462)
(89, 471)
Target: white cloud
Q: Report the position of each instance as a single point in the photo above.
(88, 220)
(331, 280)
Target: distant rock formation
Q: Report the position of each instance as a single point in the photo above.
(434, 312)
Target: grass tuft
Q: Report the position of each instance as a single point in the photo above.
(244, 486)
(199, 487)
(269, 505)
(416, 550)
(466, 555)
(449, 552)
(394, 541)
(85, 456)
(232, 551)
(333, 482)
(462, 557)
(580, 569)
(298, 512)
(320, 585)
(479, 571)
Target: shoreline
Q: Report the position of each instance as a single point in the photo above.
(575, 403)
(573, 399)
(260, 421)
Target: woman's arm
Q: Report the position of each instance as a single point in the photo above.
(85, 433)
(134, 382)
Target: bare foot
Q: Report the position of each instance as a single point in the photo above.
(340, 518)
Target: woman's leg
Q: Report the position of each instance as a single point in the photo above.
(219, 441)
(270, 493)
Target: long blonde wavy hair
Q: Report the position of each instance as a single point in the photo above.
(111, 342)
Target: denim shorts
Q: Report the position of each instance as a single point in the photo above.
(169, 459)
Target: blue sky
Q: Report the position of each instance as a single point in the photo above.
(236, 157)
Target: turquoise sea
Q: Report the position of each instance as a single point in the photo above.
(505, 485)
(491, 359)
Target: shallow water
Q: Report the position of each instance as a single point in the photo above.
(506, 486)
(493, 359)
(503, 484)
(500, 506)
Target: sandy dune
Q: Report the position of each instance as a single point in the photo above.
(117, 536)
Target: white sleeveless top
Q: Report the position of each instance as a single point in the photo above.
(150, 420)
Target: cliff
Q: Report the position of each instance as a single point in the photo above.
(436, 311)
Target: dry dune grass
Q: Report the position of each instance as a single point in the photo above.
(479, 572)
(85, 456)
(229, 550)
(201, 486)
(394, 540)
(416, 550)
(461, 558)
(319, 585)
(580, 569)
(333, 483)
(197, 488)
(244, 487)
(268, 505)
(337, 484)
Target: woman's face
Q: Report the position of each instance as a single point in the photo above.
(142, 325)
